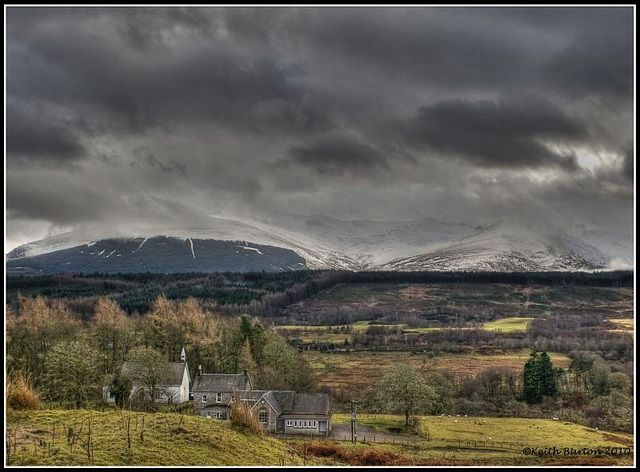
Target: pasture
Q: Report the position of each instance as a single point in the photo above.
(508, 325)
(355, 370)
(496, 441)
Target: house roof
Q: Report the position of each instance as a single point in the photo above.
(221, 383)
(286, 401)
(311, 403)
(173, 376)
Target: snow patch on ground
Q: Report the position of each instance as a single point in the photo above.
(141, 244)
(248, 248)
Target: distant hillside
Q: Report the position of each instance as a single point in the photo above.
(157, 254)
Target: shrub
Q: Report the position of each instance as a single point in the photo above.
(359, 457)
(378, 457)
(244, 418)
(21, 394)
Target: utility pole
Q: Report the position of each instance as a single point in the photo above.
(354, 434)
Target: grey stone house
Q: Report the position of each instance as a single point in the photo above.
(284, 412)
(213, 393)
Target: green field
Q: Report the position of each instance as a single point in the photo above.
(496, 441)
(508, 325)
(168, 439)
(623, 325)
(338, 333)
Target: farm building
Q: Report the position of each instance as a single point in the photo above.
(284, 412)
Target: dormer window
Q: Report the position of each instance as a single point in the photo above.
(219, 397)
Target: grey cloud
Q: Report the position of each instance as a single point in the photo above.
(500, 134)
(336, 155)
(149, 159)
(304, 109)
(33, 135)
(166, 88)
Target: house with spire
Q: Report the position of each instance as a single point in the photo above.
(174, 386)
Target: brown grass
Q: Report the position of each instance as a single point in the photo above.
(355, 370)
(618, 439)
(21, 394)
(244, 418)
(352, 456)
(366, 457)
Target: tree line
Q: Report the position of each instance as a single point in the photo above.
(70, 358)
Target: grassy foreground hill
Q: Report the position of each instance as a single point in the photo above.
(60, 437)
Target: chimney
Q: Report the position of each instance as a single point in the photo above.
(199, 370)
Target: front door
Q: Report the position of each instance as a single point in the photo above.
(322, 426)
(279, 425)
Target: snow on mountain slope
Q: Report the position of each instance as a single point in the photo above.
(505, 247)
(426, 244)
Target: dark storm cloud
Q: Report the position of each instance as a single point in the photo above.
(129, 88)
(302, 109)
(459, 49)
(46, 139)
(497, 134)
(338, 155)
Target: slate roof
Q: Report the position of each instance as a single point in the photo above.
(289, 402)
(311, 403)
(174, 372)
(221, 383)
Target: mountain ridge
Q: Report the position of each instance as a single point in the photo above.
(290, 242)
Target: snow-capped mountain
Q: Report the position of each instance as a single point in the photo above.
(288, 242)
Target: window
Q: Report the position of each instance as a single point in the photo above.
(219, 397)
(289, 423)
(263, 416)
(204, 398)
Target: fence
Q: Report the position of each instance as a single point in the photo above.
(504, 446)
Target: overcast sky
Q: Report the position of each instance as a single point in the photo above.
(120, 116)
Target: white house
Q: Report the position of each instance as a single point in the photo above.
(174, 387)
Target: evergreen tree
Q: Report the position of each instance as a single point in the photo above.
(548, 376)
(540, 378)
(531, 380)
